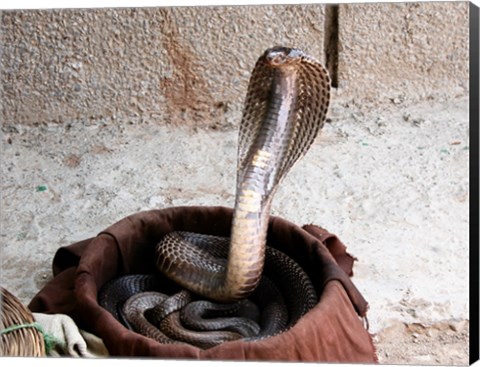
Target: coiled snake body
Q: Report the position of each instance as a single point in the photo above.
(285, 107)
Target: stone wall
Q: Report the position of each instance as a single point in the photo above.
(403, 51)
(192, 64)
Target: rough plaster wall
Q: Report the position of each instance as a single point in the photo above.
(403, 52)
(192, 64)
(144, 64)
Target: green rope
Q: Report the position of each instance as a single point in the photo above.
(50, 340)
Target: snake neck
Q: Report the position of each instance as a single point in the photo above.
(256, 185)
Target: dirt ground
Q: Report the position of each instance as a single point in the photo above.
(392, 184)
(444, 343)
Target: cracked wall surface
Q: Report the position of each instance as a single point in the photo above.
(192, 64)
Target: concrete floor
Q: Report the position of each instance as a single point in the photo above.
(392, 184)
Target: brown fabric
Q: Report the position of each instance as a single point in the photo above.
(336, 248)
(331, 332)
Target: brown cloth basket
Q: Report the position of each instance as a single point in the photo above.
(23, 340)
(331, 332)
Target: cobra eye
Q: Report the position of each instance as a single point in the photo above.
(276, 58)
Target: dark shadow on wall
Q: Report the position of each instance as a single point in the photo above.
(331, 42)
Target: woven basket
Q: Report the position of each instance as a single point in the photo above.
(21, 342)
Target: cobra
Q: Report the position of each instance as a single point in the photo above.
(285, 108)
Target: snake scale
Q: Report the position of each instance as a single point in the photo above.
(238, 287)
